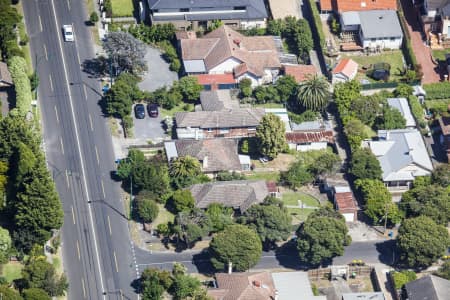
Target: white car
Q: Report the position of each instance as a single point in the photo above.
(68, 33)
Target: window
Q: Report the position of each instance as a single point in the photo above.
(184, 9)
(373, 40)
(252, 129)
(209, 129)
(224, 130)
(239, 8)
(392, 39)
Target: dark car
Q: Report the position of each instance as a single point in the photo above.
(152, 110)
(139, 111)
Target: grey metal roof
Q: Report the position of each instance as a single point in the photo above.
(428, 288)
(171, 150)
(350, 18)
(401, 104)
(363, 296)
(398, 149)
(290, 285)
(255, 9)
(380, 24)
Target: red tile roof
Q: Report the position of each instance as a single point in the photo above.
(205, 79)
(272, 186)
(309, 137)
(244, 286)
(345, 201)
(346, 66)
(300, 72)
(357, 5)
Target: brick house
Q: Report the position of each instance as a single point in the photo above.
(237, 123)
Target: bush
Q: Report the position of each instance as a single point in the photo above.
(402, 278)
(436, 91)
(18, 68)
(417, 111)
(317, 28)
(170, 55)
(93, 18)
(147, 210)
(127, 123)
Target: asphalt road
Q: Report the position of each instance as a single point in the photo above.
(97, 252)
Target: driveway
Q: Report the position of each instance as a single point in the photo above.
(422, 52)
(148, 128)
(158, 74)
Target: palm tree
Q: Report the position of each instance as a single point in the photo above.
(185, 167)
(314, 93)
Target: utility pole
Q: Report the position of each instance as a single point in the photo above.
(385, 216)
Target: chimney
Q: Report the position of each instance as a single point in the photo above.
(257, 283)
(237, 42)
(230, 267)
(205, 162)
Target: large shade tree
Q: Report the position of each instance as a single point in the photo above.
(271, 135)
(313, 94)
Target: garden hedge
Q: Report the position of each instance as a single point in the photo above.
(417, 111)
(439, 90)
(18, 69)
(318, 31)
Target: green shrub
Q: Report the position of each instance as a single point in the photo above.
(170, 55)
(438, 90)
(18, 68)
(417, 111)
(318, 31)
(402, 278)
(127, 123)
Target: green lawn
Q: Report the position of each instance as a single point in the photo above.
(164, 216)
(299, 214)
(440, 106)
(180, 107)
(269, 176)
(291, 198)
(440, 54)
(122, 8)
(12, 270)
(394, 58)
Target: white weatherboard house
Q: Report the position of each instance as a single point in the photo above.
(401, 104)
(403, 157)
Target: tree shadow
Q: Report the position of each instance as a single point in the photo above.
(287, 256)
(387, 252)
(96, 67)
(202, 262)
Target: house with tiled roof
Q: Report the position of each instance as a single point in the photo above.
(231, 123)
(212, 82)
(237, 194)
(185, 14)
(217, 100)
(339, 6)
(345, 203)
(214, 155)
(311, 135)
(226, 51)
(345, 70)
(299, 72)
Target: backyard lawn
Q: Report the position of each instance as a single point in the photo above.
(440, 54)
(11, 271)
(179, 108)
(291, 198)
(394, 58)
(299, 214)
(268, 176)
(122, 8)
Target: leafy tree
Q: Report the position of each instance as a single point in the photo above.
(152, 176)
(126, 166)
(7, 292)
(153, 34)
(344, 94)
(182, 200)
(322, 236)
(403, 277)
(245, 86)
(266, 94)
(441, 175)
(120, 97)
(219, 216)
(364, 165)
(5, 245)
(298, 36)
(378, 201)
(238, 245)
(271, 222)
(15, 129)
(184, 170)
(126, 52)
(9, 17)
(421, 241)
(93, 18)
(391, 119)
(444, 270)
(286, 87)
(313, 94)
(366, 109)
(148, 210)
(271, 136)
(35, 294)
(185, 286)
(355, 132)
(276, 27)
(26, 162)
(151, 286)
(189, 88)
(38, 273)
(429, 200)
(191, 226)
(403, 90)
(3, 181)
(326, 164)
(297, 175)
(18, 69)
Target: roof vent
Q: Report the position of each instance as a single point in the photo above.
(380, 17)
(237, 42)
(257, 283)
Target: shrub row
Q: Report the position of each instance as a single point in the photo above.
(439, 90)
(170, 55)
(318, 31)
(18, 68)
(417, 111)
(407, 50)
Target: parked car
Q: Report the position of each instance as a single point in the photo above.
(139, 111)
(152, 110)
(68, 33)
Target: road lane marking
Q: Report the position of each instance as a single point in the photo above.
(40, 23)
(78, 57)
(73, 215)
(109, 225)
(121, 294)
(83, 287)
(56, 113)
(67, 179)
(90, 122)
(85, 93)
(45, 51)
(51, 82)
(78, 250)
(96, 154)
(83, 172)
(68, 4)
(103, 190)
(115, 260)
(62, 146)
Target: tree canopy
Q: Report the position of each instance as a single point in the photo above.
(364, 165)
(189, 87)
(421, 241)
(356, 132)
(391, 119)
(121, 96)
(313, 94)
(38, 273)
(35, 294)
(297, 175)
(5, 245)
(184, 170)
(148, 210)
(182, 200)
(322, 236)
(271, 135)
(238, 245)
